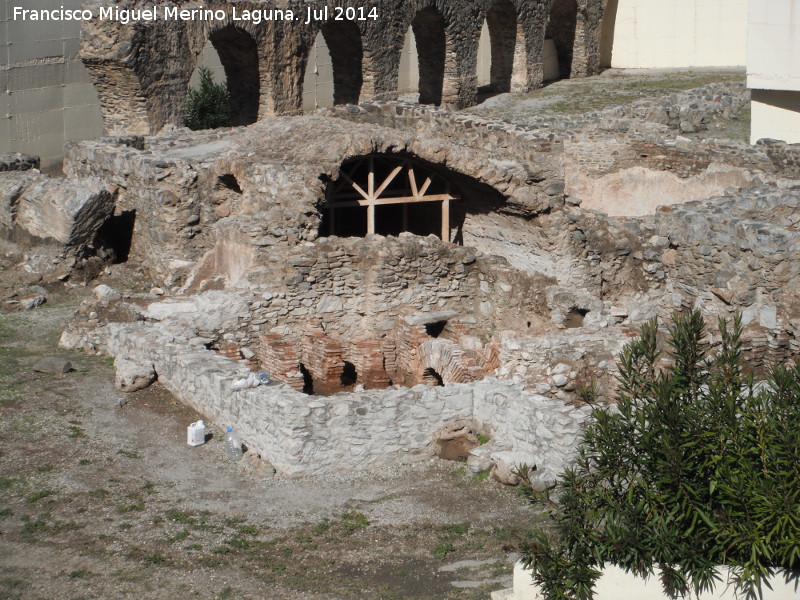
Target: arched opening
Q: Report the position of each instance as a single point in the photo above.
(238, 55)
(334, 69)
(432, 378)
(393, 193)
(501, 50)
(318, 78)
(607, 33)
(408, 75)
(429, 34)
(561, 30)
(388, 194)
(209, 59)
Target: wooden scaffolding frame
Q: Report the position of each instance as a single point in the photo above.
(347, 193)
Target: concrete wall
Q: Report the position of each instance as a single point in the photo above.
(773, 69)
(46, 95)
(679, 33)
(616, 584)
(318, 79)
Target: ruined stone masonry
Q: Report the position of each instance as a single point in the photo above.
(404, 271)
(141, 71)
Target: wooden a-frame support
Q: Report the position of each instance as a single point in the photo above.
(349, 194)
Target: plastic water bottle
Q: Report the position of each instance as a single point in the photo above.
(233, 447)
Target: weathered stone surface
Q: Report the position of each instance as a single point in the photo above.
(53, 365)
(132, 376)
(39, 208)
(141, 73)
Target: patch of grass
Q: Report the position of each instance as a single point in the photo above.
(454, 529)
(248, 530)
(157, 559)
(126, 526)
(149, 488)
(483, 439)
(193, 547)
(179, 537)
(6, 512)
(134, 507)
(238, 543)
(441, 551)
(98, 493)
(180, 517)
(321, 527)
(48, 468)
(482, 476)
(352, 522)
(129, 454)
(85, 461)
(36, 496)
(76, 432)
(79, 574)
(222, 550)
(42, 526)
(8, 482)
(225, 593)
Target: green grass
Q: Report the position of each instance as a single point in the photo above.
(36, 496)
(441, 551)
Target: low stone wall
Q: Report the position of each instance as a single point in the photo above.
(308, 435)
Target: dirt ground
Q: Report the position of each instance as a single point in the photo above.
(100, 500)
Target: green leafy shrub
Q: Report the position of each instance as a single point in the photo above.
(207, 106)
(698, 467)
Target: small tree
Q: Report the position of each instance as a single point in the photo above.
(698, 467)
(208, 106)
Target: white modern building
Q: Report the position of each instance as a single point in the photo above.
(773, 69)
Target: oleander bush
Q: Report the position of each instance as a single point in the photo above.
(208, 106)
(698, 465)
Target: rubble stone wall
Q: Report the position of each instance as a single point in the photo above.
(307, 435)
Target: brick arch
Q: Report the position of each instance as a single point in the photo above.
(447, 360)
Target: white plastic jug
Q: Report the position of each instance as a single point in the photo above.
(196, 434)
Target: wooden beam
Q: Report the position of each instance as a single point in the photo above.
(356, 187)
(388, 181)
(446, 221)
(425, 186)
(412, 179)
(388, 201)
(370, 218)
(371, 178)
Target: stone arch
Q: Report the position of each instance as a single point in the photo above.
(430, 36)
(562, 29)
(238, 54)
(347, 55)
(334, 67)
(506, 46)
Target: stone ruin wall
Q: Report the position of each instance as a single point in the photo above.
(142, 72)
(305, 435)
(543, 296)
(613, 273)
